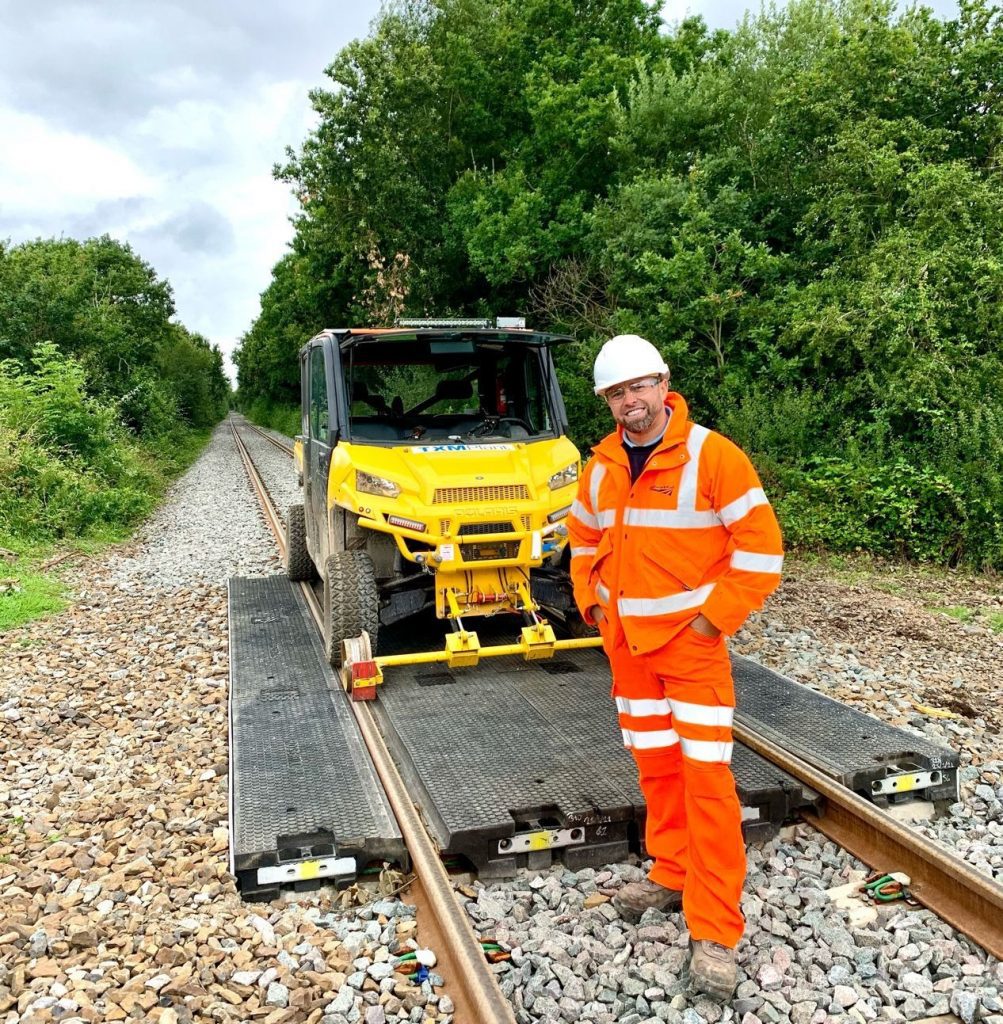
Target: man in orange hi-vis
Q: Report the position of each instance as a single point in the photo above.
(673, 543)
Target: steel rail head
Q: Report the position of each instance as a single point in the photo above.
(473, 982)
(969, 901)
(268, 506)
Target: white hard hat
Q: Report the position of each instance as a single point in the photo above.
(626, 357)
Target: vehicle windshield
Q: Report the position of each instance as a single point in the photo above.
(462, 390)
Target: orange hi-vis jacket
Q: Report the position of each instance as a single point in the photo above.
(694, 533)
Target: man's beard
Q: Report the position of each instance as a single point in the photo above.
(645, 423)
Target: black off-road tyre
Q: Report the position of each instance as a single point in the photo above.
(299, 564)
(351, 601)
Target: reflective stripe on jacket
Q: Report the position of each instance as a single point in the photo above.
(694, 533)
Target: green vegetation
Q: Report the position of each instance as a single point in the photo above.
(975, 613)
(276, 416)
(959, 612)
(805, 213)
(69, 464)
(103, 398)
(101, 305)
(30, 595)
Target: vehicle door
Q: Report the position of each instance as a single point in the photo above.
(318, 453)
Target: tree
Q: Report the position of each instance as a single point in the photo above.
(99, 303)
(95, 300)
(803, 213)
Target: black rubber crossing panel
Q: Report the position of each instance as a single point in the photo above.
(302, 782)
(769, 795)
(484, 766)
(578, 697)
(847, 745)
(508, 747)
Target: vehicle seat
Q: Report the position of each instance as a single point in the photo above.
(360, 393)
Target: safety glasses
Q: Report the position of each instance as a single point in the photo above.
(639, 387)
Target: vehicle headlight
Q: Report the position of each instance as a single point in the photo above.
(568, 475)
(376, 485)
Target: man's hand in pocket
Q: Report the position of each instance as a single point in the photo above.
(702, 625)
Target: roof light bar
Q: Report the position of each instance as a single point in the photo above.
(443, 323)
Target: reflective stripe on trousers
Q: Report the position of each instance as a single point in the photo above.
(675, 709)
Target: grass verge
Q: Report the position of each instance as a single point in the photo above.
(27, 590)
(31, 569)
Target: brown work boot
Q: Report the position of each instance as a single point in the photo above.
(634, 899)
(712, 969)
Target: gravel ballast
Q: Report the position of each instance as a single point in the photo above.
(117, 903)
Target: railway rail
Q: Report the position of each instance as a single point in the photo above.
(270, 438)
(473, 988)
(970, 902)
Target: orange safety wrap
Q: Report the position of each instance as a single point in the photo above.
(693, 534)
(675, 710)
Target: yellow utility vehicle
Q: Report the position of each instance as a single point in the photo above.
(436, 473)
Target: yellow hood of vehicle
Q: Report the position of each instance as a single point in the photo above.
(454, 472)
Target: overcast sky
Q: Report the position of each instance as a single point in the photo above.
(159, 123)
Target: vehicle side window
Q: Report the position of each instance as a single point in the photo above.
(319, 416)
(305, 394)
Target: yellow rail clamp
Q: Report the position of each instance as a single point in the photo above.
(464, 649)
(538, 642)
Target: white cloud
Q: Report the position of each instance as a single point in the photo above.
(222, 158)
(675, 11)
(159, 124)
(45, 169)
(197, 200)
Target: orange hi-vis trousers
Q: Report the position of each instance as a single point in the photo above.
(675, 708)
